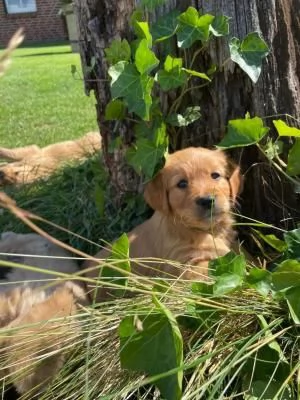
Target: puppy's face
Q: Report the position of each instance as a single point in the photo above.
(196, 187)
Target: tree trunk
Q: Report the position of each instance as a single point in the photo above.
(267, 197)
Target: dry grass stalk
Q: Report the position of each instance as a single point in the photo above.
(5, 56)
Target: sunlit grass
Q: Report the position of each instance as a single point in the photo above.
(40, 101)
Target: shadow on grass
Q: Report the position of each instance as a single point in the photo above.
(73, 198)
(52, 53)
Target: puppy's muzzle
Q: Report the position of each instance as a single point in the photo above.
(207, 202)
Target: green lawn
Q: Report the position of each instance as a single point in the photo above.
(40, 101)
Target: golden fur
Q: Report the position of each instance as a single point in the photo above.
(32, 162)
(34, 317)
(34, 326)
(183, 229)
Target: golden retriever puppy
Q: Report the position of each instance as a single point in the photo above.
(32, 163)
(35, 317)
(33, 343)
(192, 196)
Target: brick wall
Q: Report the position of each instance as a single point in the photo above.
(43, 25)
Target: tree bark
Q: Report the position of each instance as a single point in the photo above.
(267, 197)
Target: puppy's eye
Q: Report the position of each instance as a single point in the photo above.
(182, 184)
(215, 175)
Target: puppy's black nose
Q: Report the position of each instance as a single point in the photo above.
(205, 202)
(2, 175)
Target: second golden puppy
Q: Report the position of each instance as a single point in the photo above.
(37, 311)
(192, 197)
(33, 163)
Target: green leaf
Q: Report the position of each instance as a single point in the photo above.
(286, 275)
(153, 344)
(273, 344)
(267, 390)
(273, 241)
(220, 26)
(227, 283)
(292, 239)
(272, 149)
(293, 300)
(293, 166)
(193, 27)
(142, 31)
(135, 88)
(172, 63)
(190, 115)
(172, 76)
(152, 4)
(231, 263)
(115, 109)
(118, 51)
(165, 27)
(147, 154)
(202, 288)
(284, 130)
(170, 80)
(243, 132)
(196, 73)
(266, 373)
(249, 54)
(259, 279)
(145, 59)
(119, 257)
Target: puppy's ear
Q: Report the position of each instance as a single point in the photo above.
(155, 194)
(236, 181)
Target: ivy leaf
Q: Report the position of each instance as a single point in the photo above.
(146, 155)
(249, 54)
(118, 51)
(166, 26)
(190, 115)
(120, 258)
(293, 166)
(142, 31)
(145, 59)
(273, 241)
(170, 80)
(284, 130)
(292, 239)
(243, 132)
(227, 283)
(135, 88)
(193, 27)
(152, 4)
(145, 339)
(196, 73)
(172, 76)
(292, 297)
(220, 26)
(286, 275)
(229, 272)
(171, 63)
(115, 109)
(273, 149)
(260, 279)
(231, 263)
(265, 374)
